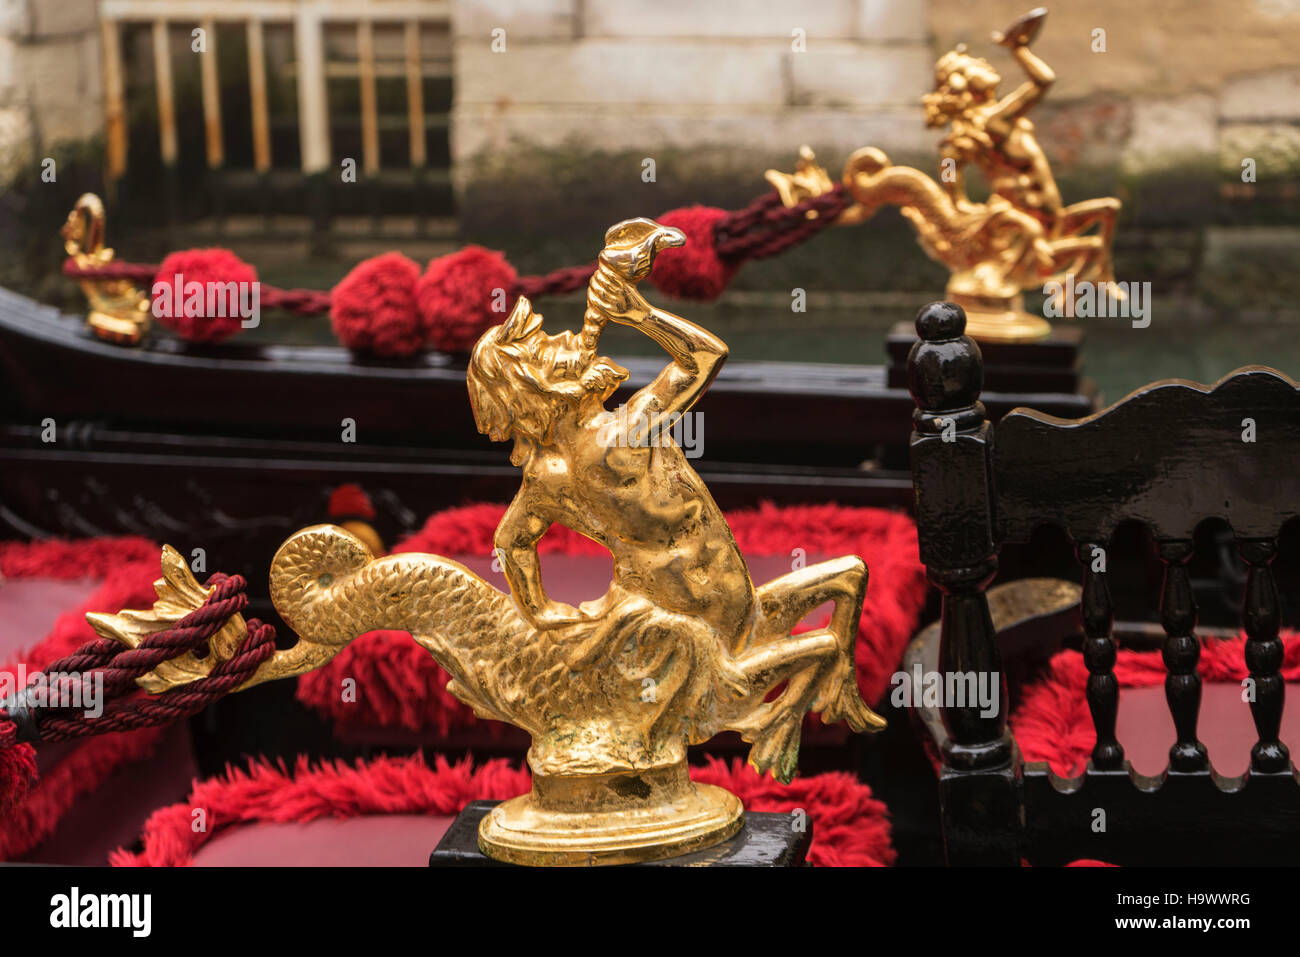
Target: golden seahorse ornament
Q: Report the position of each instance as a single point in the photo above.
(681, 647)
(119, 310)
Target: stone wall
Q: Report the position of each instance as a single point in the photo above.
(559, 103)
(1186, 82)
(584, 92)
(50, 79)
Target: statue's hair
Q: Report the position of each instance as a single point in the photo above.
(952, 95)
(511, 392)
(508, 390)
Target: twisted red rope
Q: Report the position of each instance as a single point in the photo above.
(117, 269)
(765, 227)
(146, 711)
(568, 279)
(127, 708)
(761, 229)
(303, 302)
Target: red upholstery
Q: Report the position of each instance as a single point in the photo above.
(29, 608)
(1051, 722)
(1146, 729)
(377, 840)
(90, 794)
(392, 811)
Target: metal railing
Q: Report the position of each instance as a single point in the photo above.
(308, 19)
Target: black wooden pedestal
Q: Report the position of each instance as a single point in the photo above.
(765, 840)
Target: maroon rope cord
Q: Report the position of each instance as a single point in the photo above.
(121, 665)
(304, 302)
(117, 269)
(763, 228)
(568, 279)
(127, 708)
(147, 711)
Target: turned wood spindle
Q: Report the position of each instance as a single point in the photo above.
(1181, 654)
(1262, 617)
(1099, 656)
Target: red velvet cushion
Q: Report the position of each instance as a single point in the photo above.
(1051, 721)
(393, 810)
(382, 840)
(1146, 729)
(30, 606)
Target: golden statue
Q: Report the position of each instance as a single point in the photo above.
(119, 310)
(1023, 236)
(681, 647)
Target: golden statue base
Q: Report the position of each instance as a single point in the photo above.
(1000, 318)
(596, 819)
(126, 330)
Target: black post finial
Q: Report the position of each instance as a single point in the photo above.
(940, 321)
(945, 370)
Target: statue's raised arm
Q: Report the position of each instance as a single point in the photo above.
(1017, 37)
(697, 354)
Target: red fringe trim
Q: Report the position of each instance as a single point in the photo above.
(68, 561)
(127, 567)
(850, 827)
(1052, 723)
(399, 685)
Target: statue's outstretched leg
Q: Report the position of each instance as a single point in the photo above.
(817, 666)
(1088, 259)
(1079, 218)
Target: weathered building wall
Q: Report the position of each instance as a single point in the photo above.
(584, 92)
(50, 79)
(559, 103)
(1187, 81)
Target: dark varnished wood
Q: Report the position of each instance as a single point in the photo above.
(1181, 653)
(1051, 367)
(1261, 616)
(766, 839)
(1169, 456)
(950, 451)
(1099, 656)
(1196, 819)
(819, 415)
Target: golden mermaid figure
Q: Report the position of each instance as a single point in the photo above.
(592, 469)
(1023, 236)
(681, 646)
(993, 133)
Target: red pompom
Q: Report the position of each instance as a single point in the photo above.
(350, 501)
(17, 774)
(456, 296)
(373, 307)
(220, 315)
(693, 271)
